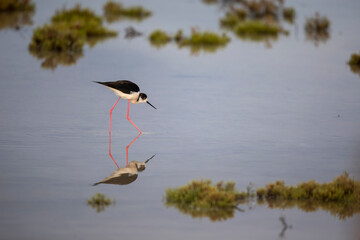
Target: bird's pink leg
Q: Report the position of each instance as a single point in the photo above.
(110, 133)
(128, 118)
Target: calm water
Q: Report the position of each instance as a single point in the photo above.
(246, 113)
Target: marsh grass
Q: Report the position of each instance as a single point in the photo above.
(66, 35)
(100, 202)
(114, 11)
(16, 5)
(354, 63)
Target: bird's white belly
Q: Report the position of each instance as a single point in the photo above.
(132, 96)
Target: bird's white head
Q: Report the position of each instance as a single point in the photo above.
(143, 99)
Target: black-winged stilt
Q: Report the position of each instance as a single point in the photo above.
(127, 90)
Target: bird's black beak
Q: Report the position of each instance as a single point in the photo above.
(150, 104)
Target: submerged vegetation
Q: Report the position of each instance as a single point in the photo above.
(16, 13)
(207, 41)
(114, 11)
(341, 197)
(317, 28)
(354, 63)
(66, 35)
(100, 202)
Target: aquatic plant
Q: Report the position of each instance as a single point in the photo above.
(82, 20)
(67, 33)
(340, 197)
(257, 30)
(341, 189)
(16, 5)
(159, 38)
(354, 63)
(200, 198)
(100, 202)
(231, 19)
(317, 28)
(207, 41)
(114, 11)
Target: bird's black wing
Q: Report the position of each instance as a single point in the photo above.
(124, 86)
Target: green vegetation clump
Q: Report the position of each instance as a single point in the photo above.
(257, 20)
(99, 202)
(341, 189)
(207, 41)
(114, 11)
(354, 63)
(232, 19)
(67, 33)
(340, 197)
(159, 38)
(202, 199)
(16, 5)
(82, 20)
(256, 29)
(203, 39)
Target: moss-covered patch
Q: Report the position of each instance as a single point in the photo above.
(67, 33)
(203, 199)
(16, 5)
(354, 63)
(100, 202)
(317, 28)
(114, 11)
(257, 30)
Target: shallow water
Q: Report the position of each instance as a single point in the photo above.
(246, 113)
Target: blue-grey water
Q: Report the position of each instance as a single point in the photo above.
(246, 113)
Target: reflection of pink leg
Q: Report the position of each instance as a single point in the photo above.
(111, 114)
(127, 149)
(110, 152)
(128, 118)
(110, 133)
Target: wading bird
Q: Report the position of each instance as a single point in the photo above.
(126, 90)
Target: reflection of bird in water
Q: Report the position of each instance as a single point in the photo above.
(126, 175)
